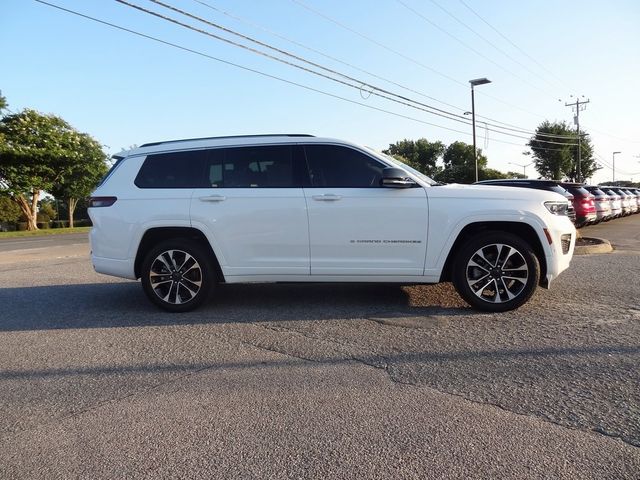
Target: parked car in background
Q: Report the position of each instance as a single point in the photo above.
(625, 199)
(583, 202)
(602, 202)
(549, 185)
(636, 191)
(633, 199)
(614, 200)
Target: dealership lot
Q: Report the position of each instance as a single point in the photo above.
(333, 381)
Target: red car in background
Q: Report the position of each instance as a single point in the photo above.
(583, 202)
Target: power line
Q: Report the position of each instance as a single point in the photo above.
(485, 39)
(258, 72)
(613, 136)
(325, 55)
(469, 47)
(252, 70)
(497, 123)
(375, 42)
(610, 167)
(367, 72)
(385, 47)
(512, 43)
(359, 83)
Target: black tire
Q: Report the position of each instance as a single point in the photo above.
(485, 261)
(177, 275)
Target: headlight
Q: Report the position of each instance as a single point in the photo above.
(557, 208)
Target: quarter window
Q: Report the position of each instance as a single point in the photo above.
(342, 167)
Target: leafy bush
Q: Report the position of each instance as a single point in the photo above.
(9, 210)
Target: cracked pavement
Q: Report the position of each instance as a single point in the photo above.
(317, 381)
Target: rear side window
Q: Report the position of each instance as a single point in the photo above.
(342, 167)
(173, 170)
(278, 166)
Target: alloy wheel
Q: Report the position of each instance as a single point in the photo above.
(497, 273)
(175, 277)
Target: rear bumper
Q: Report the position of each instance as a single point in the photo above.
(114, 267)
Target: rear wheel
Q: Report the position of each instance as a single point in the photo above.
(496, 271)
(177, 275)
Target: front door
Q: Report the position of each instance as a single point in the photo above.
(357, 227)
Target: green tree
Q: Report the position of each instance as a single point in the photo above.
(47, 206)
(511, 174)
(559, 160)
(82, 176)
(9, 210)
(36, 152)
(3, 102)
(459, 164)
(421, 154)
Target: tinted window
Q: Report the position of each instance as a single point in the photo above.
(580, 191)
(172, 170)
(336, 166)
(257, 167)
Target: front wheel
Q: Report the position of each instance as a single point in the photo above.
(177, 275)
(496, 272)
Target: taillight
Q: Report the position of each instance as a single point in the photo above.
(96, 202)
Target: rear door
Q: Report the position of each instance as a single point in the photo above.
(253, 209)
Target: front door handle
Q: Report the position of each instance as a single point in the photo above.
(330, 197)
(213, 198)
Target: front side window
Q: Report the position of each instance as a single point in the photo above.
(342, 167)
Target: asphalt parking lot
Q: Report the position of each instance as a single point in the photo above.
(322, 381)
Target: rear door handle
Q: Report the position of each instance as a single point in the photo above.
(213, 198)
(330, 197)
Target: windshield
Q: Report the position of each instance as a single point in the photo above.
(406, 167)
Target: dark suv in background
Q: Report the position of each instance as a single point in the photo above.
(549, 185)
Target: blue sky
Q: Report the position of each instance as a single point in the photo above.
(126, 90)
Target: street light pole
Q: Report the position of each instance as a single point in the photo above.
(475, 82)
(614, 166)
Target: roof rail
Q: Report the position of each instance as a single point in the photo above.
(153, 144)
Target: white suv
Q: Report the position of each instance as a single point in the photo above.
(186, 215)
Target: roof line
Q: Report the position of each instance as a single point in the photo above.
(153, 144)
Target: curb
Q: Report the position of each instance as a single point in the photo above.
(600, 245)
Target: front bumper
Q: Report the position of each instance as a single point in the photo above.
(563, 242)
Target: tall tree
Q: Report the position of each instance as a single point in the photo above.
(36, 151)
(421, 154)
(559, 160)
(460, 166)
(82, 176)
(3, 102)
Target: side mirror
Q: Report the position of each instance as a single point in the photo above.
(396, 178)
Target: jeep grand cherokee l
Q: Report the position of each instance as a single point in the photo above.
(186, 215)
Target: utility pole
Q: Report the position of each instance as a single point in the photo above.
(578, 105)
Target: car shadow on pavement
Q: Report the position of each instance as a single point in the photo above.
(123, 304)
